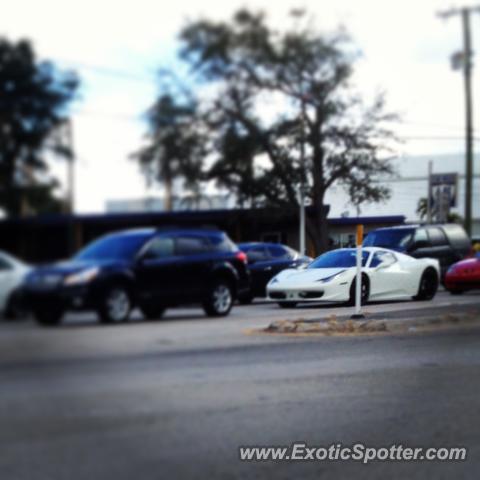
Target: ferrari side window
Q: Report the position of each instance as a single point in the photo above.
(382, 257)
(376, 261)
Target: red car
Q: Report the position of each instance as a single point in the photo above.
(463, 275)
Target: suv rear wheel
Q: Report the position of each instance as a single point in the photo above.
(220, 299)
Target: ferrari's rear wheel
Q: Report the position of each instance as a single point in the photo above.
(428, 285)
(365, 291)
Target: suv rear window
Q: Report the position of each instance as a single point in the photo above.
(222, 243)
(437, 237)
(190, 244)
(457, 237)
(394, 238)
(160, 247)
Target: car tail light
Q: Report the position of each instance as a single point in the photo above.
(241, 256)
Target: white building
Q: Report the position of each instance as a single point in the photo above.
(179, 203)
(407, 187)
(411, 184)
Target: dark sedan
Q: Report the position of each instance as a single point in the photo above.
(147, 268)
(265, 260)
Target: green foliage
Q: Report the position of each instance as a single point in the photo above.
(273, 95)
(33, 100)
(174, 143)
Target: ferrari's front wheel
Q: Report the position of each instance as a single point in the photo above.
(428, 285)
(364, 291)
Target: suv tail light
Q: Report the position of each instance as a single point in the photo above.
(242, 256)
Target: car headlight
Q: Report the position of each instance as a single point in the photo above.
(330, 278)
(273, 281)
(84, 276)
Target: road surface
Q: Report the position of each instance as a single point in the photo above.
(176, 398)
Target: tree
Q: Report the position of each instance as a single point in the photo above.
(175, 147)
(279, 108)
(422, 212)
(422, 208)
(33, 100)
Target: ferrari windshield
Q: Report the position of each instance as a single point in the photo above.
(344, 258)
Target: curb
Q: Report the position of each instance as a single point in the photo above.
(337, 326)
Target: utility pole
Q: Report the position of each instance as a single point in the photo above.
(302, 183)
(464, 12)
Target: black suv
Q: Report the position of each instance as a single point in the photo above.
(447, 243)
(151, 269)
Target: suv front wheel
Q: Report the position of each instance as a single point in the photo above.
(116, 304)
(220, 299)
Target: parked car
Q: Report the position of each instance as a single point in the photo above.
(447, 243)
(386, 275)
(265, 260)
(463, 275)
(151, 269)
(12, 272)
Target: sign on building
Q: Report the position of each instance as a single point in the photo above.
(443, 194)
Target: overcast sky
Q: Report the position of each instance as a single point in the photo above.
(117, 46)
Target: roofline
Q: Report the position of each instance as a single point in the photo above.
(187, 215)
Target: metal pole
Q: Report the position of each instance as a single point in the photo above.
(358, 277)
(467, 70)
(429, 197)
(302, 184)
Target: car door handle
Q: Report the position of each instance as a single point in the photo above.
(266, 269)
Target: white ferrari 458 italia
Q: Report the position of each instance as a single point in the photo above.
(386, 275)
